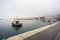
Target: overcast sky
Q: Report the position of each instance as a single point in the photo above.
(28, 8)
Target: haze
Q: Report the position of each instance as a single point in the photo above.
(28, 8)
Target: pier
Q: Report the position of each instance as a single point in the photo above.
(49, 32)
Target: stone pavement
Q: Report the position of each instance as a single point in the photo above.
(52, 33)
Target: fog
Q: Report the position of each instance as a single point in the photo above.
(28, 8)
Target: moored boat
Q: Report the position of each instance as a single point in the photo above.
(16, 23)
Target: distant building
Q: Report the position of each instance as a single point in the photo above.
(58, 18)
(42, 18)
(48, 18)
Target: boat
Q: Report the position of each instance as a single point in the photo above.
(16, 23)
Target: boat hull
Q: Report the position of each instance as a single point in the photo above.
(17, 25)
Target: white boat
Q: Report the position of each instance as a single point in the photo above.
(16, 23)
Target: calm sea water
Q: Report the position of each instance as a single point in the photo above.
(6, 30)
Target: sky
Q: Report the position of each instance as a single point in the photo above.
(28, 8)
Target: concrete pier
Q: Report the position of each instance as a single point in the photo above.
(50, 32)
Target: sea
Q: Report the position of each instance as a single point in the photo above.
(7, 30)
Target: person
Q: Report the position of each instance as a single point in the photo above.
(17, 22)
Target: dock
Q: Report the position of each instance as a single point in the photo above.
(49, 32)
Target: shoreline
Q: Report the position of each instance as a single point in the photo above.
(30, 33)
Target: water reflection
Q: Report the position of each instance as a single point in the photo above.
(16, 28)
